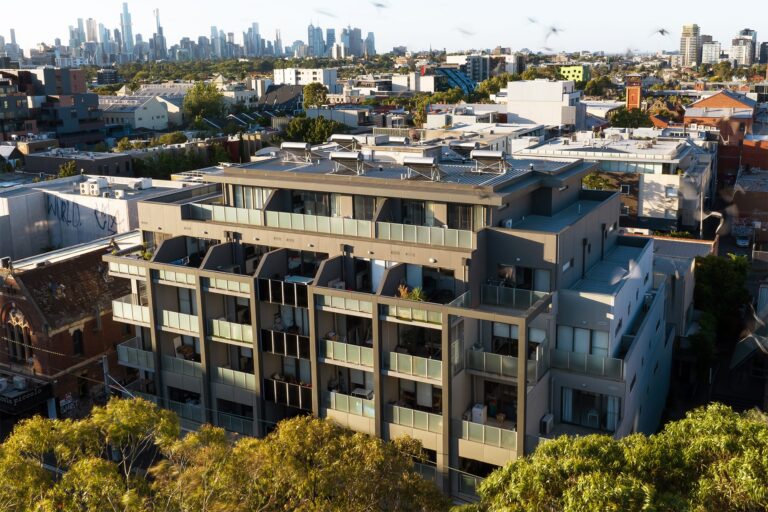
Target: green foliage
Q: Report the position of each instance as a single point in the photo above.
(205, 100)
(169, 138)
(67, 169)
(720, 291)
(534, 72)
(599, 86)
(714, 459)
(313, 130)
(494, 84)
(123, 145)
(634, 118)
(596, 181)
(315, 94)
(306, 464)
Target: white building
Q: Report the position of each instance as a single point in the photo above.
(477, 67)
(306, 76)
(710, 52)
(551, 103)
(135, 111)
(414, 82)
(70, 211)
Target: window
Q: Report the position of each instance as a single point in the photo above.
(413, 212)
(77, 342)
(567, 265)
(624, 209)
(670, 192)
(460, 216)
(625, 189)
(592, 410)
(364, 207)
(670, 214)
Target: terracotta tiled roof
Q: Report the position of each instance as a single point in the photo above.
(70, 290)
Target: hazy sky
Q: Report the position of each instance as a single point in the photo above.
(451, 24)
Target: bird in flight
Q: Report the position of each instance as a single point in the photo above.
(379, 5)
(325, 12)
(552, 31)
(533, 20)
(662, 31)
(465, 32)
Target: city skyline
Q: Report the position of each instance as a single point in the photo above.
(581, 30)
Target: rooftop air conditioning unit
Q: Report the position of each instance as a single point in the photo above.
(19, 383)
(106, 194)
(120, 194)
(547, 424)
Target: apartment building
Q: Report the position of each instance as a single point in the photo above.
(305, 76)
(552, 103)
(665, 180)
(480, 304)
(135, 112)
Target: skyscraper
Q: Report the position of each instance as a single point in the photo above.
(278, 44)
(127, 30)
(13, 36)
(690, 45)
(370, 45)
(80, 31)
(330, 38)
(744, 48)
(91, 30)
(315, 40)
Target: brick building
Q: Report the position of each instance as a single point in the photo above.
(55, 325)
(733, 114)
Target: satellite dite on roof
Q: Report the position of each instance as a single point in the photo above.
(296, 152)
(422, 167)
(489, 161)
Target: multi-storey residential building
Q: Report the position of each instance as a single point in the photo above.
(478, 305)
(576, 73)
(664, 180)
(551, 103)
(305, 76)
(710, 52)
(690, 45)
(477, 67)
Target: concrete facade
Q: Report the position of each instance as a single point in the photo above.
(286, 286)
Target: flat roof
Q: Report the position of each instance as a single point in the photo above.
(756, 180)
(732, 112)
(558, 221)
(71, 187)
(455, 172)
(608, 275)
(121, 241)
(611, 148)
(70, 154)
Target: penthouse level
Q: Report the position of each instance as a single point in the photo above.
(396, 291)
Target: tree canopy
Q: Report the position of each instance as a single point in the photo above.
(305, 464)
(313, 130)
(315, 94)
(714, 459)
(721, 293)
(67, 169)
(634, 118)
(203, 99)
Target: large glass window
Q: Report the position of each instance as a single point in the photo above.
(413, 212)
(582, 341)
(364, 207)
(591, 410)
(311, 203)
(460, 216)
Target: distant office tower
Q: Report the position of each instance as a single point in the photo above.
(127, 29)
(80, 30)
(370, 45)
(330, 39)
(710, 52)
(278, 44)
(91, 30)
(744, 48)
(690, 45)
(316, 42)
(764, 53)
(13, 36)
(356, 42)
(2, 43)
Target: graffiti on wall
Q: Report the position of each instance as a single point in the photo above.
(76, 216)
(67, 212)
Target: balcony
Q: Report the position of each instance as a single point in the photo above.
(338, 226)
(498, 437)
(350, 404)
(221, 213)
(427, 471)
(501, 297)
(285, 343)
(345, 304)
(127, 309)
(231, 331)
(127, 269)
(220, 285)
(290, 292)
(130, 354)
(346, 353)
(497, 364)
(415, 366)
(174, 277)
(182, 367)
(229, 377)
(141, 388)
(235, 423)
(588, 364)
(419, 420)
(425, 235)
(180, 322)
(291, 394)
(187, 411)
(413, 314)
